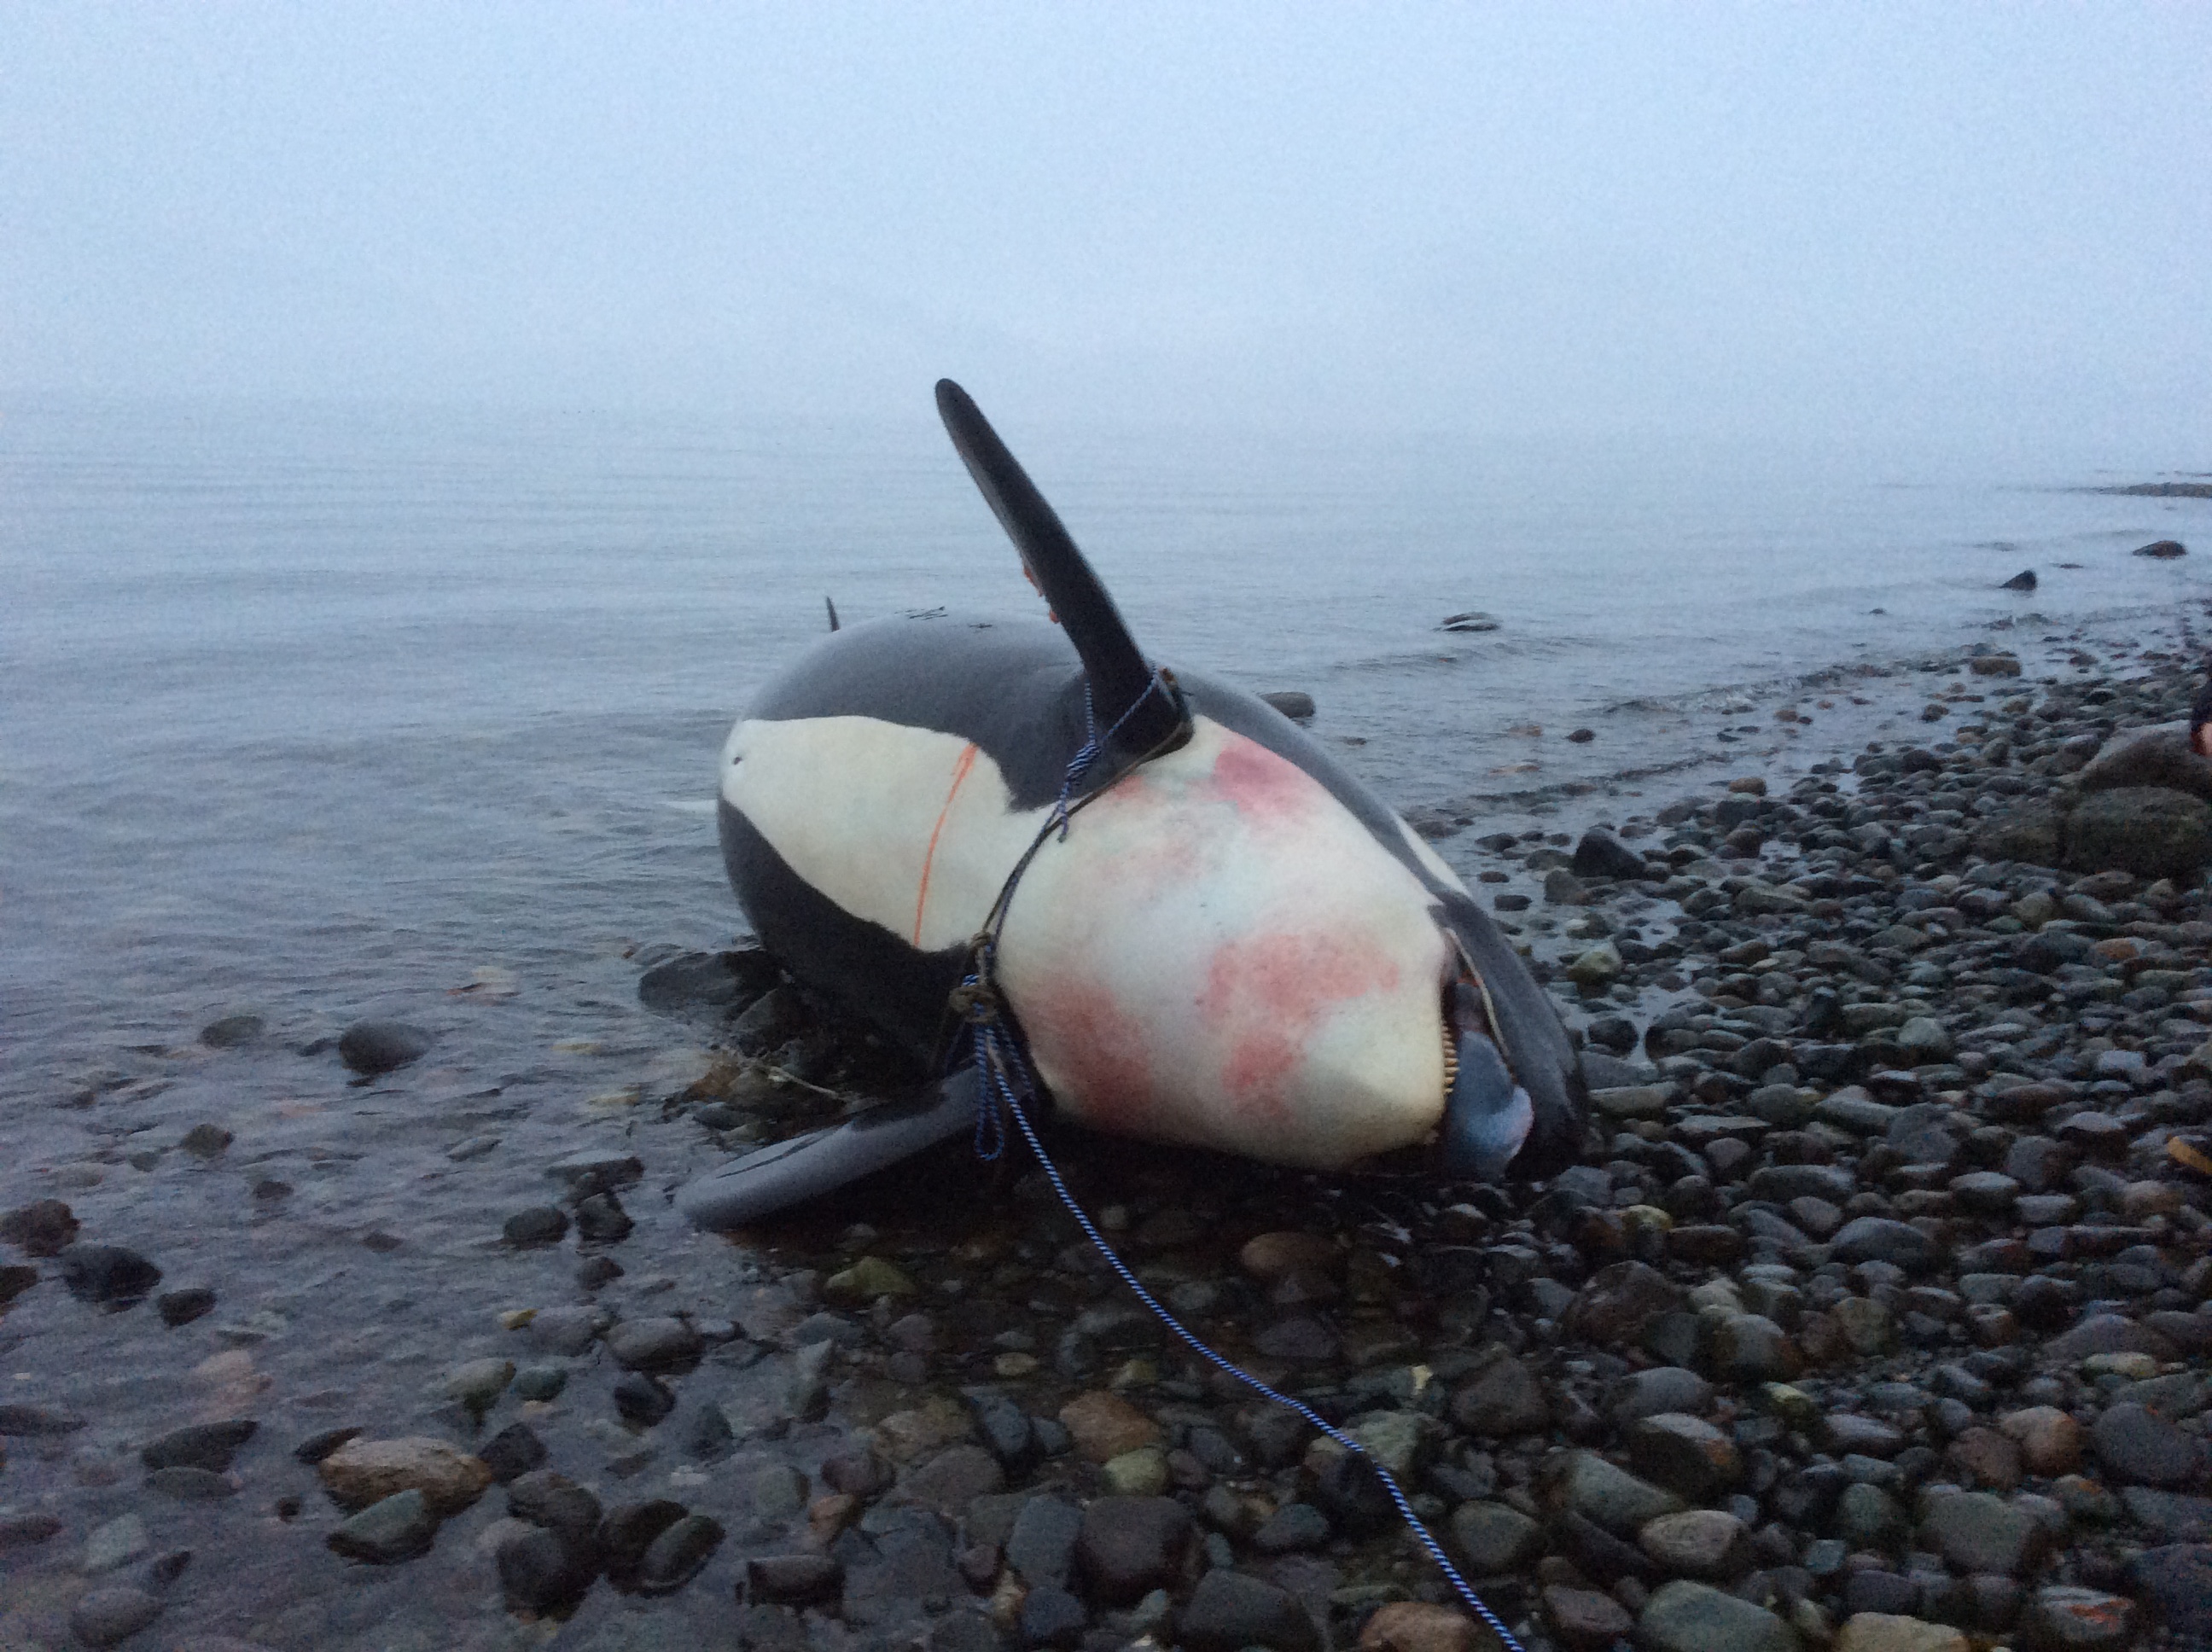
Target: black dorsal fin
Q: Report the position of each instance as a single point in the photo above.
(1121, 677)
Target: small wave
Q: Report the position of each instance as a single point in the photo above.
(690, 806)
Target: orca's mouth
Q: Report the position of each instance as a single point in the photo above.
(1487, 1113)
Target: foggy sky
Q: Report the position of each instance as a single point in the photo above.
(1838, 221)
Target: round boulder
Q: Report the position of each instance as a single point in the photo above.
(2152, 831)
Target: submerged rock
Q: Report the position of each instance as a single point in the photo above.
(370, 1048)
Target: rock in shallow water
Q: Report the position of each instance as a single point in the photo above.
(371, 1047)
(108, 1276)
(210, 1446)
(106, 1617)
(540, 1571)
(393, 1529)
(364, 1472)
(42, 1229)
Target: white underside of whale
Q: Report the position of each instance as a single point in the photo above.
(1219, 953)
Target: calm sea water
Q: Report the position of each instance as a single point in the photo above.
(317, 713)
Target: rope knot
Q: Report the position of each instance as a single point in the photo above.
(976, 1003)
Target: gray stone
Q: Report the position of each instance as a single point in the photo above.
(1494, 1538)
(1751, 1348)
(1687, 1617)
(1852, 1109)
(1041, 1547)
(104, 1617)
(2106, 1333)
(1880, 1239)
(28, 1421)
(1924, 1042)
(2161, 756)
(27, 1531)
(568, 1331)
(479, 1383)
(599, 1167)
(1979, 1532)
(398, 1527)
(2151, 831)
(108, 1276)
(1868, 1517)
(952, 1479)
(1697, 1543)
(1611, 1496)
(1584, 1620)
(1783, 1182)
(1229, 1611)
(1503, 1399)
(1620, 1301)
(1293, 1527)
(678, 1554)
(115, 1544)
(1984, 1193)
(203, 1445)
(1662, 1388)
(1683, 1454)
(2175, 1583)
(1050, 1616)
(1845, 1433)
(539, 1224)
(2063, 1619)
(379, 1046)
(654, 1345)
(2138, 1447)
(541, 1571)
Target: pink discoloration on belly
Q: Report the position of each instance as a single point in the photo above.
(1263, 786)
(1097, 1047)
(1267, 995)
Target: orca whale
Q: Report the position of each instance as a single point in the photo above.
(1230, 943)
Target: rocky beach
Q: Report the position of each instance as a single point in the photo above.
(1872, 1319)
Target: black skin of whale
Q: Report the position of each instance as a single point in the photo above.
(1015, 689)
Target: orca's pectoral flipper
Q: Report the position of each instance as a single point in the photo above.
(1126, 692)
(772, 1178)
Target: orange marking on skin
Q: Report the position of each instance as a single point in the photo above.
(922, 893)
(1272, 992)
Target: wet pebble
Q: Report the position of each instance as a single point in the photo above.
(643, 1398)
(178, 1307)
(27, 1419)
(371, 1047)
(109, 1616)
(654, 1345)
(207, 1446)
(391, 1529)
(361, 1471)
(541, 1224)
(109, 1276)
(42, 1229)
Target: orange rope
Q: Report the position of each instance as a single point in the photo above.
(921, 894)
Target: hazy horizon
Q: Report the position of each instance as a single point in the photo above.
(1970, 228)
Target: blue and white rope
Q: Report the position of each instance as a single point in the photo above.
(1008, 1083)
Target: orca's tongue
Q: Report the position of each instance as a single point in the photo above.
(1487, 1116)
